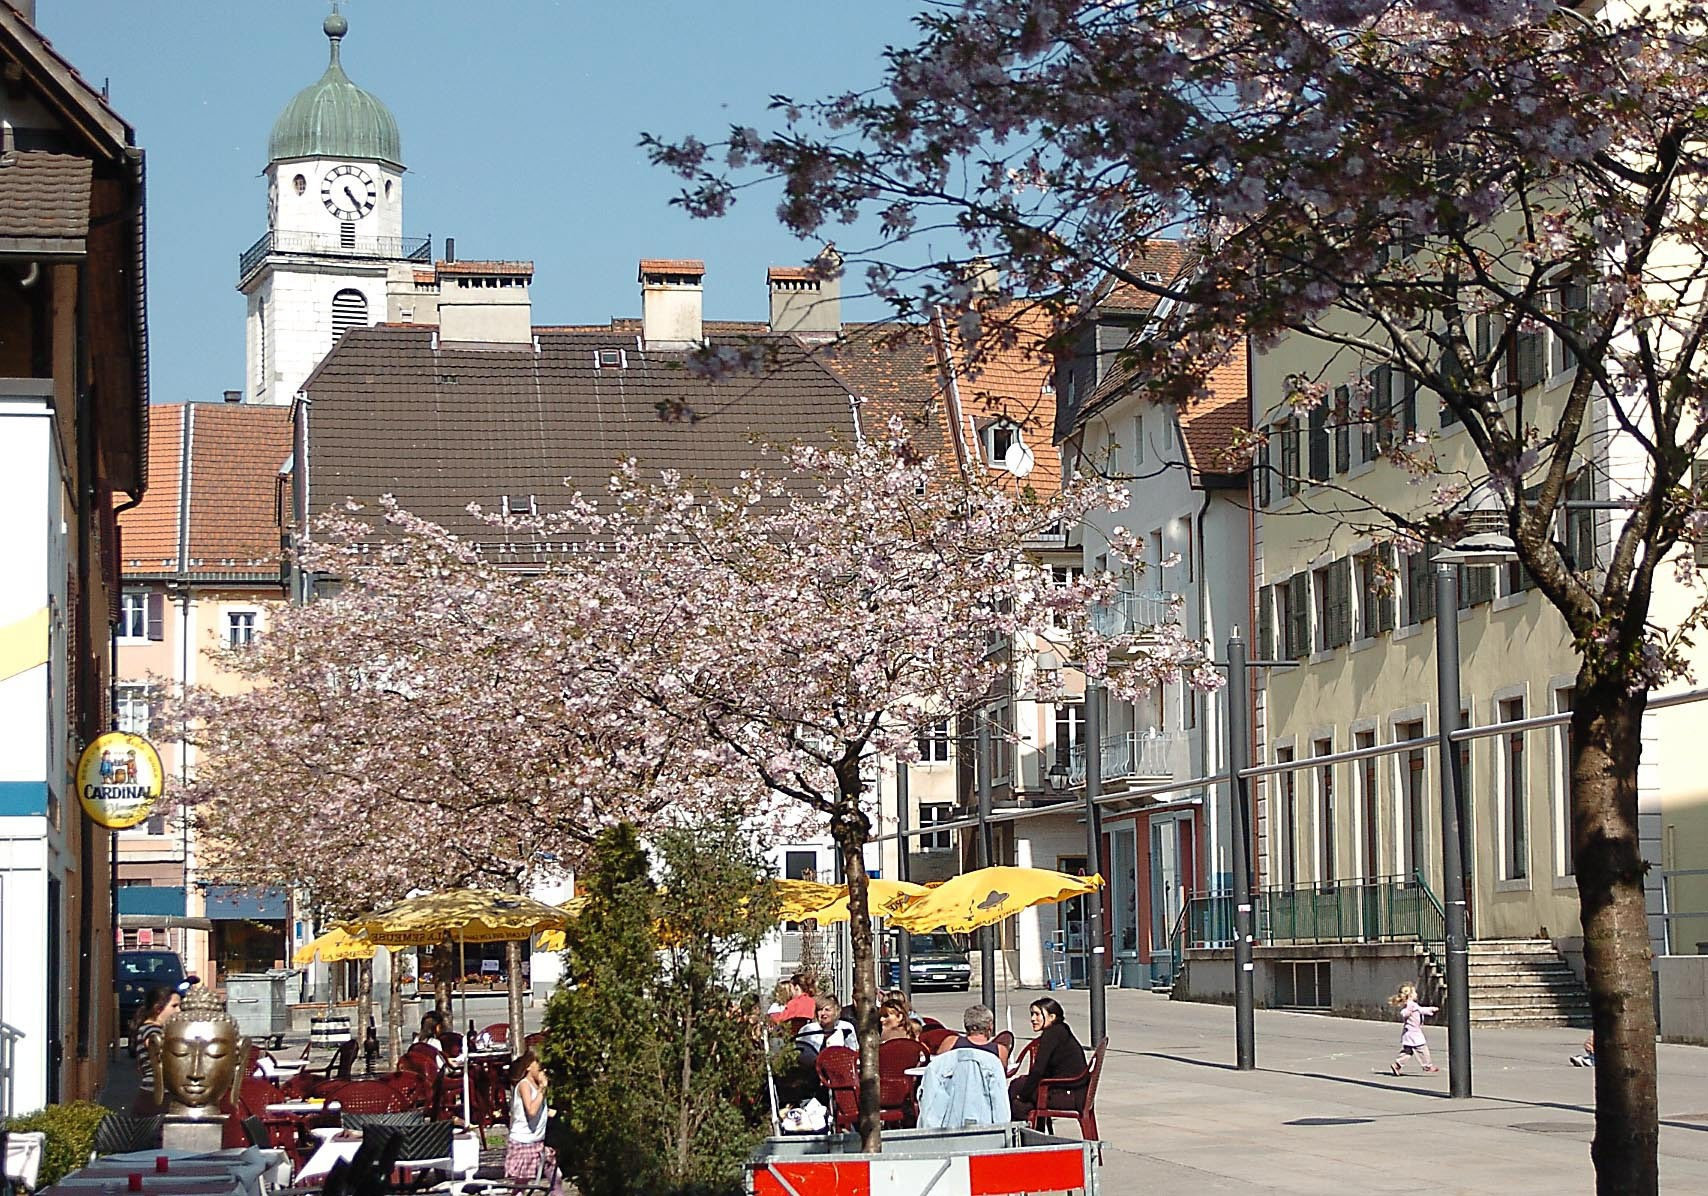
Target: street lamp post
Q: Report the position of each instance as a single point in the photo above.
(904, 951)
(1095, 971)
(1239, 759)
(986, 854)
(1452, 809)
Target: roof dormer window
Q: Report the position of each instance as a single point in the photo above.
(999, 437)
(610, 359)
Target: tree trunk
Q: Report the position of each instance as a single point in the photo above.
(444, 964)
(364, 999)
(513, 968)
(1618, 958)
(394, 1010)
(850, 827)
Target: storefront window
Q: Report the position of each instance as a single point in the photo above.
(1124, 898)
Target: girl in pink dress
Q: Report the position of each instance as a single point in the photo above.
(1411, 1036)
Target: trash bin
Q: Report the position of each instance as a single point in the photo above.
(257, 1000)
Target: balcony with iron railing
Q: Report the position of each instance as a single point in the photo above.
(1133, 612)
(392, 249)
(1133, 754)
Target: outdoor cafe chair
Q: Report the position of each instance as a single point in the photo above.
(1017, 1062)
(498, 1033)
(839, 1072)
(898, 1092)
(1085, 1116)
(367, 1096)
(935, 1036)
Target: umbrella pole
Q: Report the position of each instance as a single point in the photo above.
(765, 1046)
(462, 974)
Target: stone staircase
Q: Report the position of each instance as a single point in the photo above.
(1524, 982)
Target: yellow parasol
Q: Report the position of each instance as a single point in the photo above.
(798, 899)
(335, 946)
(552, 940)
(469, 915)
(987, 896)
(885, 898)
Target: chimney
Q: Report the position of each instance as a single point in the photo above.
(234, 396)
(807, 300)
(672, 292)
(450, 249)
(485, 303)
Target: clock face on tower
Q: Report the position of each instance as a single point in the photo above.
(347, 192)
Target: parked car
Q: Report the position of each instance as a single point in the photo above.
(140, 971)
(934, 960)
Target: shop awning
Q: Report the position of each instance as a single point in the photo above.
(155, 901)
(233, 903)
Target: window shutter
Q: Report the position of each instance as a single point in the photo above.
(1319, 442)
(1263, 477)
(1340, 580)
(1299, 616)
(156, 615)
(1382, 404)
(1342, 429)
(349, 310)
(1408, 402)
(1265, 646)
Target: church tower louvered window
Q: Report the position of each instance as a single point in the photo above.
(349, 310)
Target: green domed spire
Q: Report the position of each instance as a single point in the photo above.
(334, 118)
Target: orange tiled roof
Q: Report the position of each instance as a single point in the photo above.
(1208, 425)
(148, 532)
(672, 265)
(792, 273)
(892, 369)
(1013, 382)
(233, 518)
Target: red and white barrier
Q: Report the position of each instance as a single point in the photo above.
(999, 1170)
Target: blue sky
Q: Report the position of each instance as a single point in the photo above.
(520, 120)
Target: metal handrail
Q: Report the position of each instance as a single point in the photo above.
(1379, 909)
(1132, 753)
(406, 249)
(1130, 611)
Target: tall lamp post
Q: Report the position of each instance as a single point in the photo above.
(1481, 549)
(986, 854)
(1096, 970)
(904, 870)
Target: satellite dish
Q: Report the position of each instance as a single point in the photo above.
(1018, 460)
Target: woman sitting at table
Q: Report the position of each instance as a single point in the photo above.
(151, 1015)
(893, 1019)
(1056, 1055)
(526, 1156)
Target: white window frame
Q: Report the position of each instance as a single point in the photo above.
(935, 841)
(1560, 784)
(1501, 768)
(987, 438)
(232, 624)
(1404, 830)
(128, 697)
(133, 615)
(935, 743)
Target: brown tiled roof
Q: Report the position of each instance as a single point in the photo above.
(796, 273)
(148, 532)
(632, 326)
(893, 370)
(232, 528)
(462, 267)
(44, 195)
(1168, 259)
(441, 428)
(425, 278)
(672, 265)
(1012, 382)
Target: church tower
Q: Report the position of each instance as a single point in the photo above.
(334, 225)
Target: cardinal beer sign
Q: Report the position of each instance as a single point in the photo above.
(119, 779)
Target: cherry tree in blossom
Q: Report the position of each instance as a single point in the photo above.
(1431, 185)
(814, 618)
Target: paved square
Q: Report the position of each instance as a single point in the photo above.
(1321, 1113)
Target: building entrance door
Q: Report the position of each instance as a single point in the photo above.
(1071, 921)
(1167, 891)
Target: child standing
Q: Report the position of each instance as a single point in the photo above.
(1411, 1037)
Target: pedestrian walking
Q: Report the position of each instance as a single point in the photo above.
(1587, 1059)
(1411, 1033)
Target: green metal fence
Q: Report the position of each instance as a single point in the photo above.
(1385, 909)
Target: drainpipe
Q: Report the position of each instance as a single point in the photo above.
(1204, 634)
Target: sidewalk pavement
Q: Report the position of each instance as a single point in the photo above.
(1322, 1114)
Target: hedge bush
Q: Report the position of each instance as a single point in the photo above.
(70, 1131)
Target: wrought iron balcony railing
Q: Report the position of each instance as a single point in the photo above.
(397, 249)
(1134, 612)
(1134, 754)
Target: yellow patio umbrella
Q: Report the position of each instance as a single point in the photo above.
(799, 898)
(552, 940)
(335, 946)
(884, 897)
(987, 896)
(467, 915)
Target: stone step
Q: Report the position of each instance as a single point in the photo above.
(1500, 992)
(1531, 946)
(1503, 1021)
(1486, 967)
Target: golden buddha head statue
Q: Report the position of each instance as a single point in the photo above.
(198, 1059)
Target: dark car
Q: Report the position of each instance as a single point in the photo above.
(141, 971)
(935, 961)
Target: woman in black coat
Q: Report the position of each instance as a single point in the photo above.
(1055, 1055)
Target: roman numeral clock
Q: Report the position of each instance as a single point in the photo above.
(348, 192)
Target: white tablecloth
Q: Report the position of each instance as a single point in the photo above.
(215, 1173)
(464, 1160)
(24, 1157)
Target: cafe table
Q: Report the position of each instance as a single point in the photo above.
(464, 1158)
(250, 1171)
